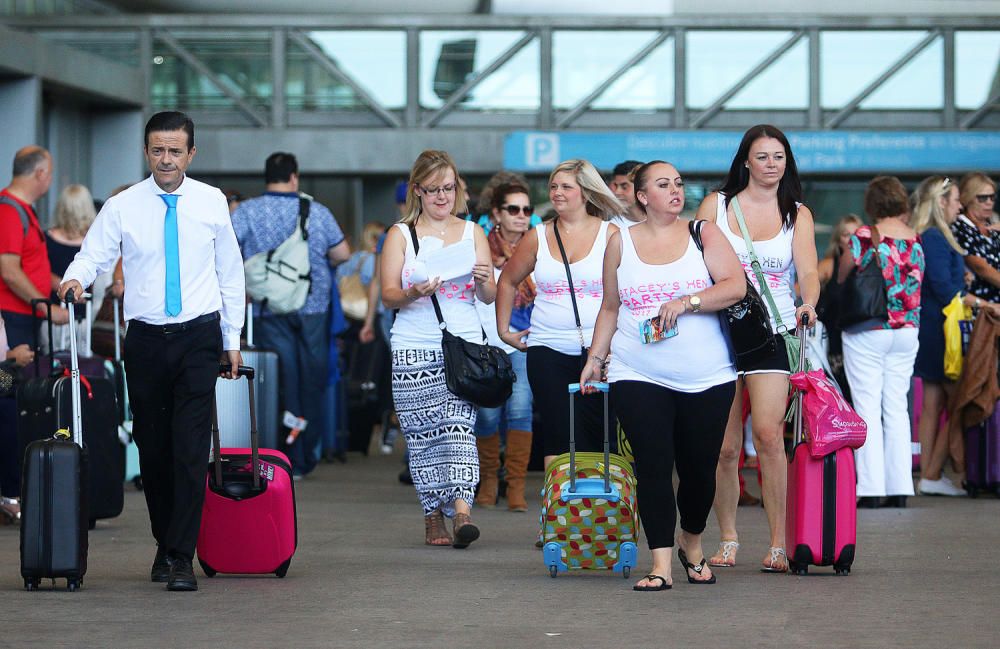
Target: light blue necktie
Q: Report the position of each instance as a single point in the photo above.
(172, 256)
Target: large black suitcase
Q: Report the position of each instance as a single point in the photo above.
(54, 514)
(366, 385)
(44, 405)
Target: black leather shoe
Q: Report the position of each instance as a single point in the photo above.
(898, 502)
(869, 502)
(160, 572)
(182, 575)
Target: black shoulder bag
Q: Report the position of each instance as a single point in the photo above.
(481, 374)
(584, 350)
(862, 295)
(746, 323)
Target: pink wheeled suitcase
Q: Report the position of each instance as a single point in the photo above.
(821, 510)
(248, 523)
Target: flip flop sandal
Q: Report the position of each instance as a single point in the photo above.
(776, 555)
(682, 556)
(649, 589)
(728, 551)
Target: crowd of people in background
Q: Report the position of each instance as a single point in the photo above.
(564, 292)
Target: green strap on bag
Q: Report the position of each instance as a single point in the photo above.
(791, 340)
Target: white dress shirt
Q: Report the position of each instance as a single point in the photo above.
(130, 225)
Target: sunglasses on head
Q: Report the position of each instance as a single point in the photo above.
(527, 210)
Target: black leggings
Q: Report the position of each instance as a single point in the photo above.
(549, 373)
(663, 424)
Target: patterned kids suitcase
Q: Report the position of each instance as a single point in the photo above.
(821, 510)
(589, 519)
(248, 523)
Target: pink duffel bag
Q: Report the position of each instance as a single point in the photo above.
(830, 422)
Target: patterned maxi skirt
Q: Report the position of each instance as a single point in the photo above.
(438, 427)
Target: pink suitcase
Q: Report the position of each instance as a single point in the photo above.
(821, 511)
(248, 523)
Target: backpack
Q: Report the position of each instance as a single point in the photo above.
(21, 213)
(280, 278)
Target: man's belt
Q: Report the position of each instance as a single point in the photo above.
(176, 327)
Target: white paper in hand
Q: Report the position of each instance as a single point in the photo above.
(449, 262)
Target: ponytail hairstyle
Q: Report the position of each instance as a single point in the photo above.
(429, 165)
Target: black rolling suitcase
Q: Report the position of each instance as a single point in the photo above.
(366, 389)
(44, 402)
(54, 516)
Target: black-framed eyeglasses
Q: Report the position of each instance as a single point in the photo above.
(513, 210)
(443, 189)
(986, 198)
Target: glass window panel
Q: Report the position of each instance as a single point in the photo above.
(851, 60)
(449, 58)
(977, 68)
(918, 84)
(583, 59)
(242, 63)
(784, 84)
(359, 54)
(122, 47)
(718, 59)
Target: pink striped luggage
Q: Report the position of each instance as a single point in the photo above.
(821, 510)
(248, 523)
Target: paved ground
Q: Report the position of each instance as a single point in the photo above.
(363, 578)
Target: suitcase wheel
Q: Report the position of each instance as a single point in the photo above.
(31, 584)
(798, 568)
(972, 489)
(842, 572)
(207, 569)
(553, 571)
(283, 569)
(626, 571)
(73, 585)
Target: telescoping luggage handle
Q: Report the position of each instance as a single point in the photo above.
(74, 368)
(248, 372)
(803, 336)
(574, 388)
(34, 330)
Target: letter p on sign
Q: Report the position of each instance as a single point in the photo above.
(541, 150)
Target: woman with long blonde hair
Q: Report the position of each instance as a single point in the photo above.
(935, 209)
(438, 425)
(556, 344)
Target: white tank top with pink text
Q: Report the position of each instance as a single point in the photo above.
(775, 256)
(552, 322)
(416, 325)
(697, 358)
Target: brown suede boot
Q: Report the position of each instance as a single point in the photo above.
(518, 453)
(489, 465)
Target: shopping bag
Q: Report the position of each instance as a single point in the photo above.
(830, 422)
(957, 324)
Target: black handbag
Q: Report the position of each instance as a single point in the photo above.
(746, 323)
(481, 374)
(584, 350)
(862, 295)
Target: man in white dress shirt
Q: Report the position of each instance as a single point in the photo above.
(184, 300)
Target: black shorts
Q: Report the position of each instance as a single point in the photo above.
(774, 363)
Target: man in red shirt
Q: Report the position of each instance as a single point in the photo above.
(24, 259)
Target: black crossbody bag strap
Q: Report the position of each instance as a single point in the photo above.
(434, 300)
(569, 278)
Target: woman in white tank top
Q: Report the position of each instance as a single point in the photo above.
(584, 204)
(437, 425)
(764, 180)
(671, 396)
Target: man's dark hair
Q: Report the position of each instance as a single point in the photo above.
(625, 168)
(26, 161)
(280, 167)
(170, 120)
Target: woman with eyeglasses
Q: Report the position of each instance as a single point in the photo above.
(511, 215)
(879, 353)
(974, 232)
(556, 344)
(935, 208)
(438, 426)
